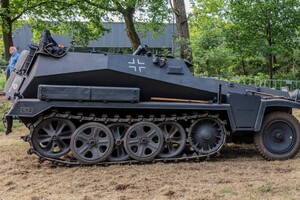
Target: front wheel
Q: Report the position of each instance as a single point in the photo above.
(279, 137)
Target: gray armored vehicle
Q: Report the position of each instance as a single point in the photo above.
(86, 108)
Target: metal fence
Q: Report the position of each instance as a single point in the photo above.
(287, 85)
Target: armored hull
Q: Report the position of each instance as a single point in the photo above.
(111, 108)
(174, 80)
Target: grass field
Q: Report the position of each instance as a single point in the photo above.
(238, 173)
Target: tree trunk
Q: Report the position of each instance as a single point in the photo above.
(182, 28)
(274, 60)
(270, 55)
(244, 67)
(6, 28)
(207, 66)
(7, 40)
(270, 68)
(130, 28)
(270, 63)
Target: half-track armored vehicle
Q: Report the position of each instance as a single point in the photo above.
(104, 108)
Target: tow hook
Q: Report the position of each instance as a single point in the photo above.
(8, 122)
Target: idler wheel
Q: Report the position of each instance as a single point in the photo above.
(92, 143)
(51, 137)
(279, 137)
(119, 153)
(143, 141)
(174, 139)
(207, 135)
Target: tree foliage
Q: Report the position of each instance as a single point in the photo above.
(265, 28)
(81, 20)
(260, 36)
(211, 55)
(151, 12)
(12, 12)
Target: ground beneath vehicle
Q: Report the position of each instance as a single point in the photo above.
(112, 108)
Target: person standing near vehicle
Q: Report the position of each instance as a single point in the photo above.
(12, 61)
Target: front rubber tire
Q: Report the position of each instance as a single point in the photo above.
(279, 136)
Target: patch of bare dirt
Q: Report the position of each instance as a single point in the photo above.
(2, 96)
(238, 173)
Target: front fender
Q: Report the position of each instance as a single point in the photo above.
(278, 103)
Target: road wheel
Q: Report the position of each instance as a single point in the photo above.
(92, 143)
(143, 141)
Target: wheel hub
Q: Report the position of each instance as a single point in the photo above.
(92, 142)
(206, 135)
(143, 140)
(54, 137)
(118, 142)
(278, 136)
(168, 140)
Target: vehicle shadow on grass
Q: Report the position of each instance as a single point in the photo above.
(238, 151)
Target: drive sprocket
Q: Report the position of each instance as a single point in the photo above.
(207, 135)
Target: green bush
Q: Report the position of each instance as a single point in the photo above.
(2, 81)
(3, 62)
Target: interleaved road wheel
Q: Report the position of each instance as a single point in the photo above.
(143, 141)
(51, 137)
(92, 143)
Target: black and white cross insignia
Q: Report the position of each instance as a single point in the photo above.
(136, 65)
